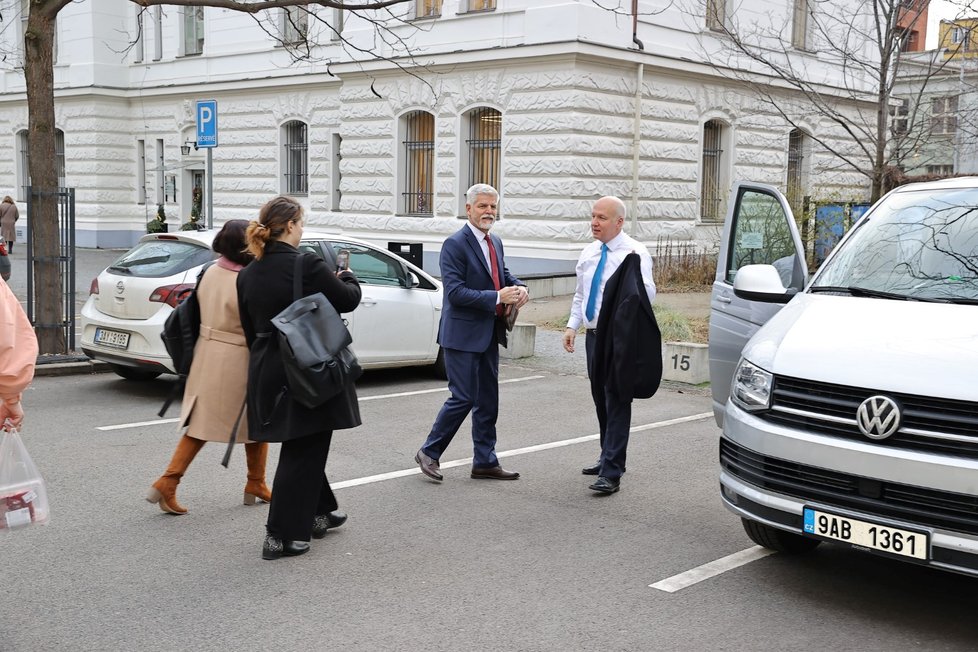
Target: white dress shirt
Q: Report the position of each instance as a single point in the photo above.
(619, 247)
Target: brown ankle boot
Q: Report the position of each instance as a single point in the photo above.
(164, 490)
(256, 453)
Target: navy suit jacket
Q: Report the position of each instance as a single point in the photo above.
(468, 317)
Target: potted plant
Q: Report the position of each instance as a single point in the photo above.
(193, 224)
(158, 224)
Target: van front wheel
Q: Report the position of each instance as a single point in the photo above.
(779, 540)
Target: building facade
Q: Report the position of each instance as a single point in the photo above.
(554, 105)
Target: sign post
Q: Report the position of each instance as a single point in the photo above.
(207, 138)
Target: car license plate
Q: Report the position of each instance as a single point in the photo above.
(115, 339)
(884, 538)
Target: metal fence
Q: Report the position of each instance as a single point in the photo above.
(65, 198)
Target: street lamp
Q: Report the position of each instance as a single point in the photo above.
(185, 148)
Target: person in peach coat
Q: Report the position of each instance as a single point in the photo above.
(18, 353)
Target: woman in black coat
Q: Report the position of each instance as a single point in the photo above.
(303, 504)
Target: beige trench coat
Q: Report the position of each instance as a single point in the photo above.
(8, 216)
(215, 391)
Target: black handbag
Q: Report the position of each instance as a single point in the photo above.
(315, 346)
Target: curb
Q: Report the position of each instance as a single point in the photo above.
(71, 368)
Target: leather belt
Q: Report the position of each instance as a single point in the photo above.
(591, 331)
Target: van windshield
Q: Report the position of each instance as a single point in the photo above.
(919, 245)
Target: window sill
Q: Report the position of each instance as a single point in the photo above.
(431, 17)
(476, 11)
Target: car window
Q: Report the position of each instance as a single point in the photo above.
(159, 258)
(922, 244)
(311, 247)
(373, 267)
(762, 236)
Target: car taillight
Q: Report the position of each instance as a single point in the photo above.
(93, 288)
(171, 295)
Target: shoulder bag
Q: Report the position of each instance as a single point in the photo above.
(315, 346)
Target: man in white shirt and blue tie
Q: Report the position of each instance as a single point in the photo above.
(598, 263)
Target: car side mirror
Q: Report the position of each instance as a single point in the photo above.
(761, 283)
(410, 281)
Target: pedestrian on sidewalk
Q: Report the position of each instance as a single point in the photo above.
(213, 399)
(303, 504)
(18, 354)
(477, 288)
(599, 295)
(8, 217)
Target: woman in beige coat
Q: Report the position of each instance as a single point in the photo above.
(8, 216)
(214, 397)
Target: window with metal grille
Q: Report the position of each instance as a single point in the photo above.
(795, 184)
(942, 170)
(419, 163)
(480, 5)
(193, 30)
(428, 8)
(799, 25)
(25, 160)
(944, 115)
(716, 14)
(295, 24)
(899, 121)
(295, 158)
(711, 197)
(483, 146)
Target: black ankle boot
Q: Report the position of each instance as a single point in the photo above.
(274, 548)
(324, 522)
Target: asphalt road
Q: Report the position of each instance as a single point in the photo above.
(536, 564)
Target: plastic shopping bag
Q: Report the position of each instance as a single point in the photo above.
(23, 496)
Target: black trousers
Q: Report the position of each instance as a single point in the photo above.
(300, 490)
(614, 421)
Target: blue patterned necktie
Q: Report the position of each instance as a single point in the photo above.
(592, 298)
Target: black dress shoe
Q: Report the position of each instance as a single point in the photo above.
(274, 548)
(594, 469)
(324, 522)
(606, 485)
(494, 473)
(429, 466)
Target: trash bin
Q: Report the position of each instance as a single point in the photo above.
(409, 251)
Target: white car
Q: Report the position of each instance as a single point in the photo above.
(396, 324)
(849, 415)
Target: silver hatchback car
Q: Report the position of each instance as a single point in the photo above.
(396, 324)
(850, 414)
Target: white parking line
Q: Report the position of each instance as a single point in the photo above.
(381, 477)
(158, 422)
(711, 569)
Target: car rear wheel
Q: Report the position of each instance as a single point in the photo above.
(131, 373)
(779, 540)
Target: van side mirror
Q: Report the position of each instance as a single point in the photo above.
(761, 283)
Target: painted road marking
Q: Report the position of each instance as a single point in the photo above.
(158, 422)
(711, 569)
(381, 477)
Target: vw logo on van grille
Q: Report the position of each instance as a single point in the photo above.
(878, 417)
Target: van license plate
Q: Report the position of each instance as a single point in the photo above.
(884, 538)
(115, 339)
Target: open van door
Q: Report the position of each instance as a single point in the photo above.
(759, 229)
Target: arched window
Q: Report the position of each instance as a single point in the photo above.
(418, 140)
(295, 158)
(714, 177)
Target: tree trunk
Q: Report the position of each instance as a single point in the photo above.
(43, 218)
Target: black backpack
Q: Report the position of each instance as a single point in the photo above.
(180, 332)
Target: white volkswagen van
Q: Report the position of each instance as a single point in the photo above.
(849, 403)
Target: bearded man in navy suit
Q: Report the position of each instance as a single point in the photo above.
(477, 287)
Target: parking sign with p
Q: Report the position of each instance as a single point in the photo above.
(207, 123)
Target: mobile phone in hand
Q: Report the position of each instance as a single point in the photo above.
(342, 260)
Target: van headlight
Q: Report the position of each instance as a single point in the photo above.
(752, 387)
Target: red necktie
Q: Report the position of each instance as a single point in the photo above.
(494, 265)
